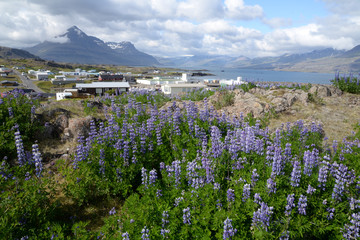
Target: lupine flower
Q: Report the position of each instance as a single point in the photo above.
(20, 148)
(271, 184)
(302, 205)
(295, 174)
(153, 177)
(331, 212)
(246, 192)
(165, 222)
(290, 204)
(310, 190)
(216, 186)
(144, 177)
(178, 200)
(277, 164)
(36, 155)
(112, 211)
(11, 113)
(186, 216)
(257, 198)
(145, 233)
(254, 177)
(229, 231)
(354, 204)
(352, 231)
(230, 195)
(310, 161)
(261, 218)
(322, 178)
(285, 235)
(102, 162)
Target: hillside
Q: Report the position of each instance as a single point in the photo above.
(13, 53)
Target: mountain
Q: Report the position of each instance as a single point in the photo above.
(320, 60)
(75, 46)
(11, 53)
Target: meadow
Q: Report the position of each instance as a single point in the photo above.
(153, 172)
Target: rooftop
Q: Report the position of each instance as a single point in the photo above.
(103, 85)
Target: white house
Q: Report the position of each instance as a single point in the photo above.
(42, 76)
(158, 81)
(181, 88)
(98, 88)
(238, 81)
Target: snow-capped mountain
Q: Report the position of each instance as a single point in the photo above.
(75, 46)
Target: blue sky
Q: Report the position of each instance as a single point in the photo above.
(252, 28)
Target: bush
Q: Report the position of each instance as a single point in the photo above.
(349, 83)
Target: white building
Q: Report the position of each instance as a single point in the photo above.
(42, 76)
(159, 81)
(231, 82)
(181, 88)
(98, 88)
(68, 93)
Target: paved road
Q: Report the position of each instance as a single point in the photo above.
(28, 83)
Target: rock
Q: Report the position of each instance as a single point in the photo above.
(290, 98)
(280, 104)
(79, 126)
(335, 91)
(61, 122)
(320, 91)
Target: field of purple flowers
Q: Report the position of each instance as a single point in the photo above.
(184, 174)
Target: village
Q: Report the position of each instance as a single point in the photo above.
(88, 84)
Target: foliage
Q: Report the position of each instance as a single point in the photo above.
(190, 174)
(225, 98)
(345, 83)
(197, 95)
(17, 113)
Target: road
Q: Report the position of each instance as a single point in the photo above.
(28, 83)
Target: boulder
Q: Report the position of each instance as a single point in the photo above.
(78, 126)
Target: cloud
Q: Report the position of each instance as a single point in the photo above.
(236, 9)
(179, 27)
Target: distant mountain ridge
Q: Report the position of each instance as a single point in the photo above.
(322, 60)
(75, 46)
(12, 53)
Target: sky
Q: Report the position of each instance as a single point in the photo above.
(169, 28)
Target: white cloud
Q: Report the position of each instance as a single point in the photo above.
(277, 22)
(200, 10)
(236, 9)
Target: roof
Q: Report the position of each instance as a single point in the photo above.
(183, 85)
(103, 85)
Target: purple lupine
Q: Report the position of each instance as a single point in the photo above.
(271, 184)
(331, 212)
(177, 172)
(229, 231)
(152, 177)
(112, 211)
(11, 113)
(20, 148)
(295, 174)
(341, 174)
(287, 152)
(352, 231)
(216, 144)
(186, 216)
(285, 235)
(191, 168)
(254, 177)
(144, 177)
(302, 205)
(165, 222)
(102, 162)
(145, 233)
(261, 218)
(257, 198)
(246, 192)
(323, 173)
(310, 161)
(36, 156)
(310, 190)
(354, 203)
(230, 194)
(277, 164)
(178, 200)
(290, 204)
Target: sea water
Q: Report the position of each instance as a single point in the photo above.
(270, 76)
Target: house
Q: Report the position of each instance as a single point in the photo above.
(42, 76)
(9, 83)
(181, 88)
(99, 88)
(111, 77)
